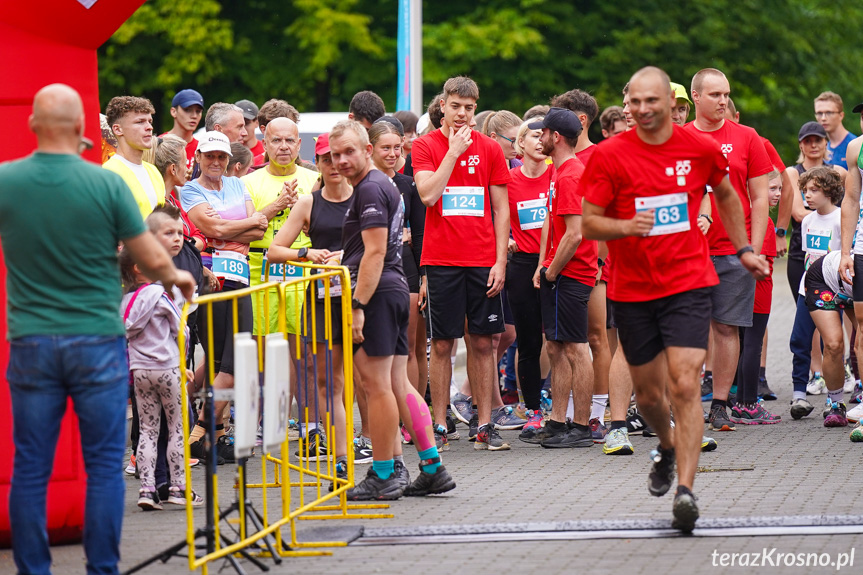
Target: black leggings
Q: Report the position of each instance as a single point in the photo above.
(794, 271)
(527, 316)
(223, 329)
(748, 368)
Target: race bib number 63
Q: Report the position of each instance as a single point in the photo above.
(671, 215)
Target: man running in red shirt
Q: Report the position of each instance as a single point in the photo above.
(461, 176)
(565, 279)
(734, 298)
(642, 190)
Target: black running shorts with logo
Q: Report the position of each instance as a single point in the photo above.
(457, 292)
(857, 287)
(564, 308)
(646, 328)
(820, 296)
(385, 331)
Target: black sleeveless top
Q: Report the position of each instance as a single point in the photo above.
(326, 222)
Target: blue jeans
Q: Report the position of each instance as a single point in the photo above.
(43, 372)
(801, 345)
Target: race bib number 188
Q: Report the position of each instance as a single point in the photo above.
(671, 216)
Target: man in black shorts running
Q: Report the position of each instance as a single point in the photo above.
(642, 192)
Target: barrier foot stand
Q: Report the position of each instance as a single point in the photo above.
(344, 512)
(164, 556)
(246, 555)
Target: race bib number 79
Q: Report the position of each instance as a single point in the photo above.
(671, 215)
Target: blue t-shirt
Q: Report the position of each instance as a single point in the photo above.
(836, 156)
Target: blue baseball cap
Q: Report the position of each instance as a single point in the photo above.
(186, 98)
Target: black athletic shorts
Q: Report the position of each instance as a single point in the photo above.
(458, 292)
(564, 308)
(320, 321)
(409, 266)
(385, 330)
(507, 312)
(819, 296)
(609, 311)
(646, 328)
(857, 289)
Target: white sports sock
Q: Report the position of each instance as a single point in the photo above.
(835, 395)
(597, 407)
(799, 395)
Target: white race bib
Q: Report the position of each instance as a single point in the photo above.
(531, 213)
(463, 201)
(671, 216)
(818, 241)
(335, 287)
(279, 272)
(231, 266)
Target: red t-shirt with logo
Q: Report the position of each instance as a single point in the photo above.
(566, 201)
(528, 204)
(459, 229)
(626, 174)
(764, 288)
(747, 159)
(777, 162)
(191, 148)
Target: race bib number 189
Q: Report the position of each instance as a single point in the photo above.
(231, 266)
(671, 216)
(463, 201)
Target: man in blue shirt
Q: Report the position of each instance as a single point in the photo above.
(829, 113)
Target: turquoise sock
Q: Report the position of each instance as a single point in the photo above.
(384, 469)
(430, 453)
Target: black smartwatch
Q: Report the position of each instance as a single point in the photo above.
(744, 250)
(355, 304)
(780, 232)
(302, 252)
(706, 217)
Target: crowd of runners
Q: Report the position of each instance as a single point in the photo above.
(601, 291)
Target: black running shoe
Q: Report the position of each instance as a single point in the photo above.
(431, 483)
(549, 430)
(685, 510)
(764, 391)
(374, 488)
(225, 450)
(198, 450)
(402, 473)
(662, 473)
(572, 438)
(314, 448)
(341, 473)
(635, 424)
(473, 425)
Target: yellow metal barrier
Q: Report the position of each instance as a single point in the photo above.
(302, 484)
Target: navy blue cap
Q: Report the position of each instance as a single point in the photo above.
(186, 98)
(559, 120)
(811, 129)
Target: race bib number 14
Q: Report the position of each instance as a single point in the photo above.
(671, 215)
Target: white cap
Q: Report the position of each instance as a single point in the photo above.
(214, 142)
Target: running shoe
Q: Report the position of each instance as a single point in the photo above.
(440, 438)
(764, 391)
(177, 496)
(200, 452)
(754, 414)
(406, 437)
(314, 448)
(617, 443)
(816, 385)
(431, 483)
(461, 407)
(532, 427)
(341, 473)
(836, 416)
(707, 387)
(375, 488)
(800, 408)
(451, 431)
(488, 438)
(472, 426)
(719, 419)
(402, 473)
(849, 379)
(857, 434)
(572, 438)
(225, 448)
(504, 419)
(855, 414)
(149, 500)
(684, 510)
(708, 444)
(537, 436)
(662, 472)
(132, 467)
(598, 430)
(857, 392)
(520, 410)
(362, 450)
(635, 424)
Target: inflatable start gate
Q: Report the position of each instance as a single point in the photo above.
(42, 43)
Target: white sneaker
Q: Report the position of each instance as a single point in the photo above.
(849, 380)
(816, 385)
(856, 414)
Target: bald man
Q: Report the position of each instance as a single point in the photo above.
(66, 335)
(661, 278)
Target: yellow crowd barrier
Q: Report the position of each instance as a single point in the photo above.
(291, 488)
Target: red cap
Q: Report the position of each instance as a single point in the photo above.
(322, 145)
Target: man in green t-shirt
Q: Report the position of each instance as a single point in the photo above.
(61, 219)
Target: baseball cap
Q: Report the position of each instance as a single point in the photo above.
(397, 124)
(559, 120)
(322, 145)
(857, 109)
(250, 109)
(186, 98)
(680, 91)
(811, 129)
(214, 142)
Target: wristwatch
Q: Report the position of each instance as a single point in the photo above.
(355, 304)
(706, 217)
(302, 252)
(780, 232)
(745, 250)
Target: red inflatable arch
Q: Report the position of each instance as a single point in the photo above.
(44, 42)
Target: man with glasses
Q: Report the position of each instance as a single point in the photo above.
(829, 113)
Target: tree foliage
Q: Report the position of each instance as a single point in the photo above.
(778, 54)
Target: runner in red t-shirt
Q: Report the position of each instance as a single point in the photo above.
(641, 195)
(461, 176)
(565, 279)
(732, 300)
